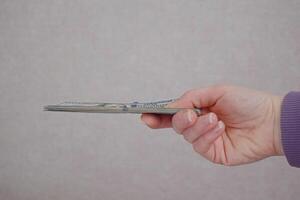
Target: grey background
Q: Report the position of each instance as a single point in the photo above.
(114, 50)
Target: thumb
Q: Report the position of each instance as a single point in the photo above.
(199, 98)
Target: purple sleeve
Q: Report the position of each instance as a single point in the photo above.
(290, 127)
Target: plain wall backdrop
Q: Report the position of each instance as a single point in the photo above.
(135, 50)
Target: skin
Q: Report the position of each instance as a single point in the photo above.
(238, 125)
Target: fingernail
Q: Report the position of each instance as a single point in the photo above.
(220, 125)
(212, 118)
(190, 115)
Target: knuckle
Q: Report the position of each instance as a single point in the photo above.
(177, 131)
(176, 126)
(187, 138)
(175, 120)
(227, 164)
(197, 148)
(215, 162)
(178, 122)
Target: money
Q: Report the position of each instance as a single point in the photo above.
(158, 107)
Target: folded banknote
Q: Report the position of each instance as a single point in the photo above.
(158, 107)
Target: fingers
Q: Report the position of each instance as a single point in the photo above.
(200, 131)
(204, 142)
(156, 121)
(183, 120)
(202, 125)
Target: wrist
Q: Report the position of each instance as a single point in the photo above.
(277, 101)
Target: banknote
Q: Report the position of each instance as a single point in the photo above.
(156, 107)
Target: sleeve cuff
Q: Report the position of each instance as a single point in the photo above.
(290, 127)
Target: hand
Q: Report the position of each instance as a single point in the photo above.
(238, 126)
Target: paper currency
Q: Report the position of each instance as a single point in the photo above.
(158, 107)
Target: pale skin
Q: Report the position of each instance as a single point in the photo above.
(238, 125)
